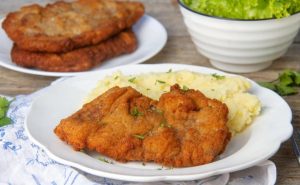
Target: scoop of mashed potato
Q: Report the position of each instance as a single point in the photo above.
(231, 90)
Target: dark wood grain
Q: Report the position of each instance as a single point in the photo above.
(179, 49)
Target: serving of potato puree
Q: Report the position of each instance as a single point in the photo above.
(231, 90)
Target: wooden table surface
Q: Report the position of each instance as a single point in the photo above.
(179, 49)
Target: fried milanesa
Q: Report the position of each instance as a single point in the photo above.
(77, 60)
(64, 26)
(183, 128)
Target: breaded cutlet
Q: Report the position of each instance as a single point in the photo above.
(65, 26)
(184, 128)
(81, 59)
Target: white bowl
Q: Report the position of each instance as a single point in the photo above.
(240, 46)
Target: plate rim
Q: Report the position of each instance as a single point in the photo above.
(155, 178)
(155, 51)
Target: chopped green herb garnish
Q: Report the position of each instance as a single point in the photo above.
(185, 88)
(159, 168)
(148, 89)
(139, 136)
(160, 81)
(162, 124)
(165, 124)
(285, 83)
(144, 164)
(103, 159)
(218, 77)
(170, 70)
(131, 80)
(4, 105)
(116, 77)
(135, 112)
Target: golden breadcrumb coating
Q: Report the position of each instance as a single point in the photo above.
(81, 59)
(184, 128)
(65, 26)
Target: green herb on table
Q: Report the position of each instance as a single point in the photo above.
(170, 70)
(135, 112)
(4, 105)
(268, 85)
(218, 77)
(139, 136)
(285, 84)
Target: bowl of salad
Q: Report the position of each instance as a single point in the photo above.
(241, 35)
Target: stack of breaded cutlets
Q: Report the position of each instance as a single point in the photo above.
(72, 36)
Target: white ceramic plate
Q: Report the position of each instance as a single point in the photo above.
(256, 144)
(150, 33)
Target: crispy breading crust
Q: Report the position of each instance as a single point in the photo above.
(78, 60)
(183, 128)
(63, 26)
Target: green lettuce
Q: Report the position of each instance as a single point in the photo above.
(245, 9)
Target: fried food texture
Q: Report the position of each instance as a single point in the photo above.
(183, 128)
(81, 59)
(65, 26)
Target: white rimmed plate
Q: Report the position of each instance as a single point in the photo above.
(256, 144)
(151, 35)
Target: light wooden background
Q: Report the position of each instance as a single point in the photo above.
(179, 49)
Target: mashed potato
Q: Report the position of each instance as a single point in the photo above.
(243, 107)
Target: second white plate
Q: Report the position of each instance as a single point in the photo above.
(151, 35)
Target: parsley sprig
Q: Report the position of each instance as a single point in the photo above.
(285, 83)
(4, 105)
